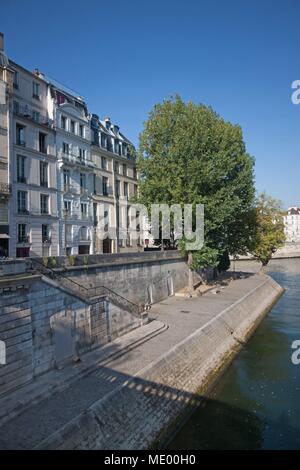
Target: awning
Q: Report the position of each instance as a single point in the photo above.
(4, 235)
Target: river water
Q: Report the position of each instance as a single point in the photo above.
(256, 403)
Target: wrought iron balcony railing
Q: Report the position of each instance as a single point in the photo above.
(23, 239)
(34, 116)
(5, 188)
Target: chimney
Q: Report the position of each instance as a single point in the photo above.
(1, 41)
(107, 122)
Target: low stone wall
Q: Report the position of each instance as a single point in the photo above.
(133, 415)
(142, 278)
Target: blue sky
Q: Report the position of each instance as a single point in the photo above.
(240, 57)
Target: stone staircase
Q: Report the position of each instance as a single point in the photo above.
(91, 294)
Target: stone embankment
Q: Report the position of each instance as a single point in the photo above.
(129, 402)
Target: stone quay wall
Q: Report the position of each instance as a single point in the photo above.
(134, 415)
(140, 277)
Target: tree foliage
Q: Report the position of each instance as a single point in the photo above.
(189, 154)
(269, 234)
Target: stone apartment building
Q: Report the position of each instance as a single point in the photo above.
(6, 87)
(75, 171)
(64, 173)
(33, 209)
(114, 185)
(292, 224)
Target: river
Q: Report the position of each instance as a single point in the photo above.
(256, 403)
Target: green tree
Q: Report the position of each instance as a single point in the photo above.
(269, 234)
(189, 154)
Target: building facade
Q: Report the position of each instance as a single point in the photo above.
(292, 224)
(114, 188)
(6, 87)
(66, 177)
(33, 164)
(75, 171)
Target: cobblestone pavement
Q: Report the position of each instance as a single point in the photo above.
(183, 316)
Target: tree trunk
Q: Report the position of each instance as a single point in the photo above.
(191, 275)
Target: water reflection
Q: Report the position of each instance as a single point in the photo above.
(256, 404)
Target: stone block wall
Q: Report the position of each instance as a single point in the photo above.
(137, 280)
(135, 413)
(16, 332)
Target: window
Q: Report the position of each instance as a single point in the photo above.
(116, 167)
(16, 107)
(84, 212)
(109, 144)
(45, 234)
(82, 154)
(135, 189)
(67, 208)
(118, 188)
(21, 169)
(81, 130)
(36, 116)
(44, 174)
(82, 180)
(73, 127)
(22, 202)
(94, 184)
(63, 122)
(134, 173)
(103, 163)
(105, 186)
(20, 135)
(125, 189)
(106, 221)
(16, 80)
(44, 204)
(36, 90)
(66, 179)
(84, 234)
(22, 233)
(66, 148)
(103, 140)
(42, 142)
(116, 146)
(124, 169)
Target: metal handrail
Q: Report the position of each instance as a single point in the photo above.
(92, 292)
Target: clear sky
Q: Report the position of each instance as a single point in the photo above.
(240, 57)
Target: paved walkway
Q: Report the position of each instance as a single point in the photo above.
(174, 319)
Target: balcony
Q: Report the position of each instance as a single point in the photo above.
(23, 211)
(5, 188)
(69, 188)
(23, 239)
(21, 142)
(75, 159)
(44, 184)
(35, 96)
(86, 217)
(69, 216)
(46, 240)
(25, 112)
